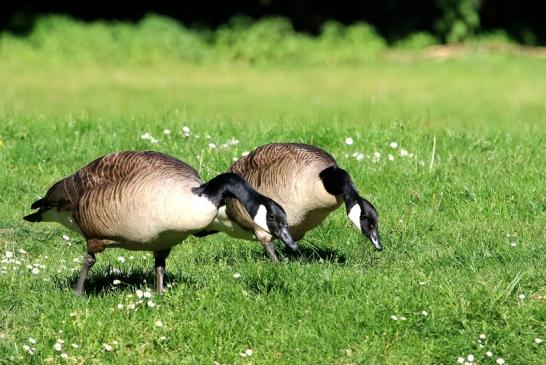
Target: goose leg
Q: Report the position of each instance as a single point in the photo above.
(270, 250)
(160, 257)
(93, 246)
(265, 240)
(88, 262)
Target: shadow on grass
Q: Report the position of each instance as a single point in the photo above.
(102, 282)
(310, 252)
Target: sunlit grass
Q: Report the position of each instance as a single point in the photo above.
(464, 232)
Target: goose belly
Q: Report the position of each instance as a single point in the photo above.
(302, 222)
(308, 206)
(170, 217)
(150, 219)
(163, 241)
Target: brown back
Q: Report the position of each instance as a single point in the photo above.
(278, 170)
(112, 168)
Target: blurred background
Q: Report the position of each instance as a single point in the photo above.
(430, 63)
(394, 20)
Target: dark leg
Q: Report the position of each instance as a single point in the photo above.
(270, 250)
(88, 262)
(94, 246)
(160, 257)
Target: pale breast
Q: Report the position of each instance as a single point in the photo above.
(146, 214)
(307, 204)
(163, 241)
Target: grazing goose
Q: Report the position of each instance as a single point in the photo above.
(309, 185)
(148, 201)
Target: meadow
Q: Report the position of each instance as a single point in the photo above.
(451, 151)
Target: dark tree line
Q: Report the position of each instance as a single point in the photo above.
(449, 20)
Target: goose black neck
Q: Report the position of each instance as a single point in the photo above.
(337, 181)
(230, 185)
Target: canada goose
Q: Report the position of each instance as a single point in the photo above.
(148, 201)
(309, 185)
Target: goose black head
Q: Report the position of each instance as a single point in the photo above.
(271, 217)
(265, 212)
(364, 217)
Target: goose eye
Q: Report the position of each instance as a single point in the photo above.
(270, 216)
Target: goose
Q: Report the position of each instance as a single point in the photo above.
(309, 185)
(148, 201)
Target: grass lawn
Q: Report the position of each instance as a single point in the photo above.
(463, 227)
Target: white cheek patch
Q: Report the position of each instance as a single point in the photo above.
(354, 216)
(260, 219)
(65, 218)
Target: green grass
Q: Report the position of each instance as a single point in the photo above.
(447, 226)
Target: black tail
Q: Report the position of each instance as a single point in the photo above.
(337, 181)
(34, 217)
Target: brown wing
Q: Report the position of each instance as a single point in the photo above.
(275, 169)
(66, 193)
(276, 164)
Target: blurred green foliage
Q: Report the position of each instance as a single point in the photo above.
(460, 19)
(417, 41)
(157, 38)
(58, 39)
